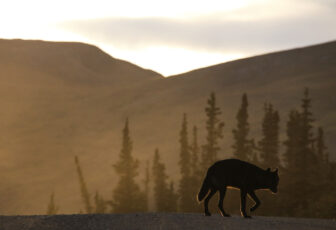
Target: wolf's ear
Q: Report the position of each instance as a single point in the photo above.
(268, 170)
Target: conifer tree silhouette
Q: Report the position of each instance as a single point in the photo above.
(127, 196)
(269, 144)
(84, 191)
(243, 147)
(172, 198)
(301, 173)
(146, 181)
(163, 195)
(196, 177)
(214, 128)
(321, 148)
(185, 187)
(306, 151)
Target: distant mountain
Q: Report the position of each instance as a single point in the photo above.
(65, 99)
(69, 62)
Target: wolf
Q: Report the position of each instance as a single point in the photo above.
(238, 174)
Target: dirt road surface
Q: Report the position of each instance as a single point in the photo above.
(159, 221)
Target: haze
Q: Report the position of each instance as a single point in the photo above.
(173, 36)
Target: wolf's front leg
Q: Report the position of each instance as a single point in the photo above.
(220, 202)
(256, 200)
(243, 203)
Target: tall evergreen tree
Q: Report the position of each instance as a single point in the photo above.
(165, 197)
(308, 157)
(322, 168)
(185, 192)
(146, 185)
(321, 147)
(214, 127)
(160, 183)
(291, 157)
(242, 147)
(269, 144)
(127, 196)
(172, 198)
(307, 153)
(52, 208)
(195, 177)
(299, 175)
(194, 150)
(184, 161)
(84, 191)
(290, 177)
(307, 178)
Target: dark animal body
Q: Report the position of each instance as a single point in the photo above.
(237, 174)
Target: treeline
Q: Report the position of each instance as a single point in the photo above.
(307, 176)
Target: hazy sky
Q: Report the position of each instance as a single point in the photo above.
(174, 36)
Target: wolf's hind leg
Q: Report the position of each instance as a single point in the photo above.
(243, 203)
(256, 200)
(206, 202)
(220, 202)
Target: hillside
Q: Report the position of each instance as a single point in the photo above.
(65, 99)
(162, 221)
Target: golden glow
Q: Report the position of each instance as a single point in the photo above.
(171, 60)
(40, 19)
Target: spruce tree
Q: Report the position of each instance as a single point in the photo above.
(269, 144)
(196, 177)
(300, 173)
(291, 156)
(194, 150)
(307, 134)
(308, 157)
(184, 162)
(84, 191)
(146, 185)
(185, 190)
(165, 198)
(52, 208)
(172, 198)
(160, 183)
(214, 127)
(243, 147)
(321, 147)
(127, 196)
(290, 176)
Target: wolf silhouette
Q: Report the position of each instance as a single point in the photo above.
(236, 174)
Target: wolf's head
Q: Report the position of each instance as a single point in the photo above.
(272, 180)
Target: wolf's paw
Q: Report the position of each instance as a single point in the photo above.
(226, 215)
(207, 214)
(247, 217)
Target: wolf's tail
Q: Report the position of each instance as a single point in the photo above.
(204, 189)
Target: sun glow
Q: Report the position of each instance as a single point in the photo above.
(50, 20)
(171, 60)
(39, 19)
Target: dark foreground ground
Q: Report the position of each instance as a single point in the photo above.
(151, 221)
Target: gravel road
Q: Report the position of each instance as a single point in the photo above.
(162, 221)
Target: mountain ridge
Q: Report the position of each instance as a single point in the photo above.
(55, 111)
(268, 54)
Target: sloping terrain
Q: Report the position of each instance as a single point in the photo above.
(65, 99)
(162, 221)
